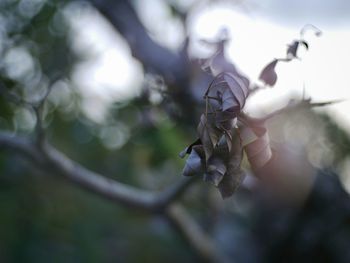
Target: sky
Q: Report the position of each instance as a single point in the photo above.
(257, 38)
(259, 31)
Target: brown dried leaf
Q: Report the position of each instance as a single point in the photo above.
(293, 49)
(306, 45)
(230, 182)
(226, 120)
(234, 175)
(216, 169)
(268, 74)
(259, 150)
(194, 164)
(189, 148)
(230, 102)
(237, 87)
(208, 134)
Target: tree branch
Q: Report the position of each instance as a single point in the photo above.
(292, 105)
(154, 57)
(174, 68)
(174, 192)
(21, 146)
(50, 160)
(193, 234)
(106, 187)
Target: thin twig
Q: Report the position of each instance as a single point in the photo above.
(246, 119)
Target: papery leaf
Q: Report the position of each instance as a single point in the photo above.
(230, 182)
(247, 135)
(268, 74)
(228, 92)
(214, 94)
(228, 140)
(245, 84)
(205, 65)
(194, 163)
(208, 134)
(226, 120)
(238, 87)
(259, 153)
(293, 49)
(189, 148)
(216, 169)
(306, 45)
(234, 175)
(218, 63)
(229, 101)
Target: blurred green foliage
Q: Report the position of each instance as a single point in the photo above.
(44, 218)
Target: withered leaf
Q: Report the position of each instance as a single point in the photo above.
(194, 161)
(234, 174)
(229, 101)
(189, 148)
(216, 169)
(259, 150)
(230, 182)
(226, 120)
(268, 74)
(306, 45)
(238, 87)
(228, 140)
(218, 63)
(246, 84)
(293, 49)
(208, 134)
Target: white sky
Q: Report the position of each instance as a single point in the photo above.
(255, 40)
(323, 70)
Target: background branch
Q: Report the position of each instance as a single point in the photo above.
(193, 234)
(154, 57)
(50, 160)
(174, 192)
(292, 105)
(174, 68)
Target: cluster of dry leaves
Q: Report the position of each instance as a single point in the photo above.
(223, 130)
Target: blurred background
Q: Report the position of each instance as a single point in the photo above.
(126, 93)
